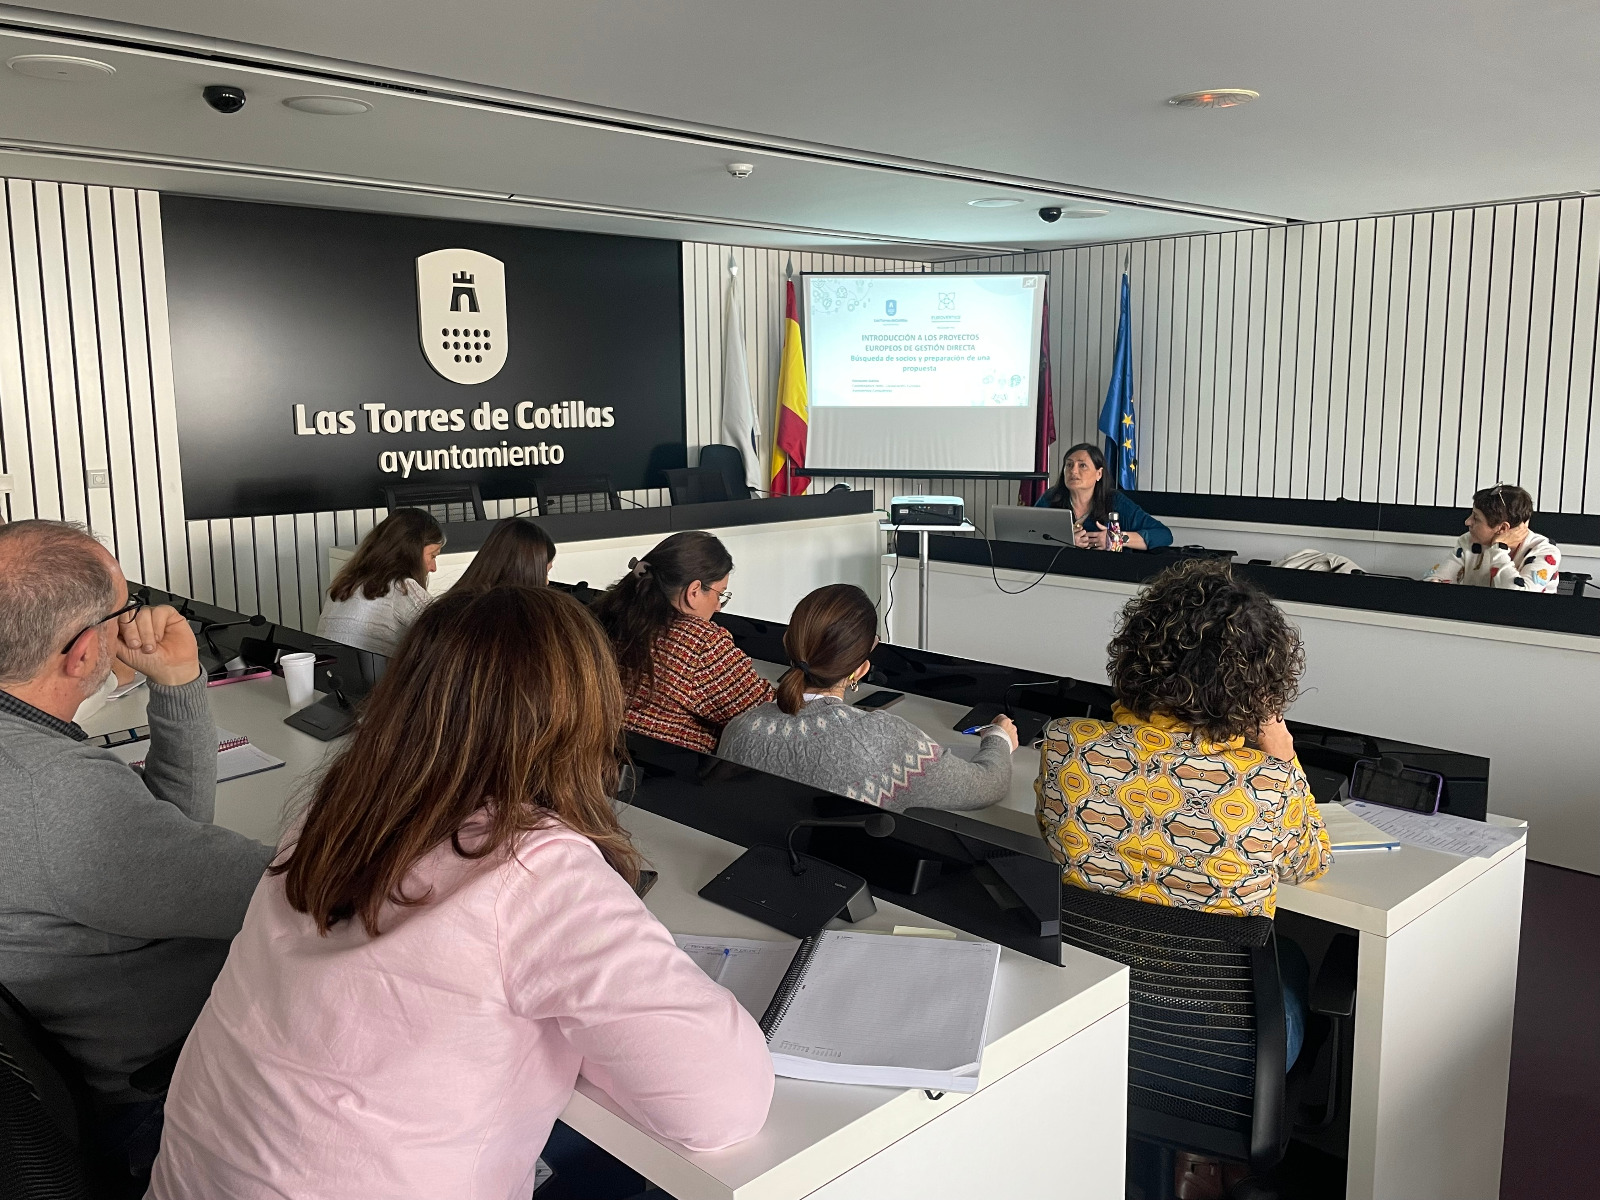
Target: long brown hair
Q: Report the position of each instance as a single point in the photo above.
(517, 554)
(390, 553)
(1101, 501)
(505, 700)
(640, 606)
(830, 634)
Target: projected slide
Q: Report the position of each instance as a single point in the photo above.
(922, 341)
(923, 372)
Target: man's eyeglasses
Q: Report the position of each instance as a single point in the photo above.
(125, 615)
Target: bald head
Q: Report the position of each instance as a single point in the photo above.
(54, 580)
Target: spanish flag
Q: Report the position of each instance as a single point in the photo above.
(789, 447)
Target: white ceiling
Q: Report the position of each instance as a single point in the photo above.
(1366, 107)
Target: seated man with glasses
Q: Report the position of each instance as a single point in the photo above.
(118, 896)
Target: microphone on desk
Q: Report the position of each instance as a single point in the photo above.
(207, 628)
(875, 824)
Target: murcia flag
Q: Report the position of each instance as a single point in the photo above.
(789, 446)
(461, 314)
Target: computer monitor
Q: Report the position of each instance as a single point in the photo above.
(1048, 526)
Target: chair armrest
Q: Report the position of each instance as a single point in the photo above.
(155, 1076)
(1333, 991)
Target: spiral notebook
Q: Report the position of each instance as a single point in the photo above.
(873, 1008)
(237, 756)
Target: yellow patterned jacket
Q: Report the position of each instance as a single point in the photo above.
(1145, 809)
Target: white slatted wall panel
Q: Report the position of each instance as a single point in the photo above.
(1409, 359)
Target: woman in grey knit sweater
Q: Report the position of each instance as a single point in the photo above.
(810, 734)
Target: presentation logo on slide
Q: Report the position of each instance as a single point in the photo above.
(889, 308)
(461, 314)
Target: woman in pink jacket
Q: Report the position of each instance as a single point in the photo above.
(450, 939)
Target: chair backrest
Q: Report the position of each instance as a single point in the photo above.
(442, 501)
(576, 494)
(45, 1112)
(730, 463)
(1207, 1039)
(1572, 583)
(696, 485)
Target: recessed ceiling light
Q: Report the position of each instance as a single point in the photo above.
(994, 202)
(64, 67)
(1214, 98)
(328, 106)
(1084, 214)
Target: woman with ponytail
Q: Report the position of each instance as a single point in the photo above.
(684, 677)
(813, 735)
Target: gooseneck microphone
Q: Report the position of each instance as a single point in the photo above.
(210, 627)
(875, 824)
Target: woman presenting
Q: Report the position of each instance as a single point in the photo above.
(1086, 490)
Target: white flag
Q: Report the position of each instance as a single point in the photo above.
(740, 426)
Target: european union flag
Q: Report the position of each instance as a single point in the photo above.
(1116, 414)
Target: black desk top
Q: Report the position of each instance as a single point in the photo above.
(970, 683)
(637, 522)
(1379, 593)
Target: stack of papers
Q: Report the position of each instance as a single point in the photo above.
(1441, 831)
(1346, 831)
(851, 1007)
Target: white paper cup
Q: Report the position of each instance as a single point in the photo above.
(298, 670)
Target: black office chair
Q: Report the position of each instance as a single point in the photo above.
(1207, 1039)
(1572, 583)
(696, 485)
(47, 1113)
(730, 463)
(576, 494)
(442, 501)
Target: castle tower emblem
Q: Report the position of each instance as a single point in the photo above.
(461, 314)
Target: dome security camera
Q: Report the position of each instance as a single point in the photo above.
(224, 97)
(1050, 214)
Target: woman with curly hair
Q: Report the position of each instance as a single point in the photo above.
(1190, 795)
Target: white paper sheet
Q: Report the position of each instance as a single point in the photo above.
(1442, 831)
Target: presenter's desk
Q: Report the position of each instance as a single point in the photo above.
(1437, 665)
(1048, 1118)
(1435, 991)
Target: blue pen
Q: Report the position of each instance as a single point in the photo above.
(726, 951)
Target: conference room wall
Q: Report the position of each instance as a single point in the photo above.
(86, 386)
(1408, 359)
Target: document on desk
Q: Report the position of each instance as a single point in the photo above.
(873, 1008)
(1442, 831)
(236, 755)
(751, 970)
(1346, 831)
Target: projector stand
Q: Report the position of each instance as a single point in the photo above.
(922, 532)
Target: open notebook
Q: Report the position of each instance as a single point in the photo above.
(852, 1007)
(236, 755)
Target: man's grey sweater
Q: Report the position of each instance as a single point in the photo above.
(118, 896)
(875, 757)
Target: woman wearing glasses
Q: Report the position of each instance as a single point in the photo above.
(684, 677)
(1499, 550)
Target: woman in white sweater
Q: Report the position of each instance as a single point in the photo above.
(372, 602)
(1499, 550)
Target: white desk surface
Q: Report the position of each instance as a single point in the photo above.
(815, 1131)
(1378, 892)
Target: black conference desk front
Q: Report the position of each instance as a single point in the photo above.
(1376, 593)
(636, 521)
(1327, 754)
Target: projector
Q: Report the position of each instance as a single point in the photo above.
(927, 510)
